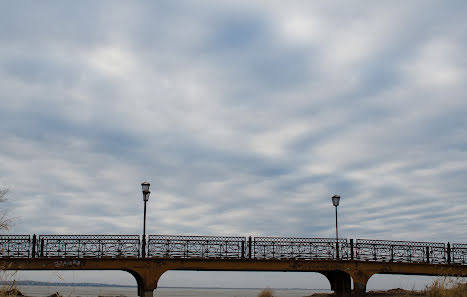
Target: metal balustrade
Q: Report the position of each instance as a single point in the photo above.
(299, 248)
(174, 246)
(459, 253)
(219, 247)
(17, 246)
(400, 251)
(96, 246)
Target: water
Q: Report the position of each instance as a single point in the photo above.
(69, 291)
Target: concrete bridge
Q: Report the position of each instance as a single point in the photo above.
(340, 261)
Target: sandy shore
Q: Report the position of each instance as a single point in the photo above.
(388, 293)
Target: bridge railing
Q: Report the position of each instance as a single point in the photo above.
(174, 246)
(400, 251)
(17, 246)
(96, 246)
(459, 253)
(299, 248)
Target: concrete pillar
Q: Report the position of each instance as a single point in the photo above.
(147, 279)
(359, 288)
(360, 279)
(340, 282)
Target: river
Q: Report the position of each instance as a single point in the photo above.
(70, 291)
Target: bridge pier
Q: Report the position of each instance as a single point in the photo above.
(340, 282)
(146, 279)
(360, 280)
(147, 293)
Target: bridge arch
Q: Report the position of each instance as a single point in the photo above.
(139, 280)
(340, 282)
(248, 279)
(68, 282)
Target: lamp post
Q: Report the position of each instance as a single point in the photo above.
(335, 202)
(146, 192)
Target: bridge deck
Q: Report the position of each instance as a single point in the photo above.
(165, 264)
(338, 261)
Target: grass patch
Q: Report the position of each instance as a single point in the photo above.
(266, 293)
(443, 287)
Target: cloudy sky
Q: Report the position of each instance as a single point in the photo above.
(245, 117)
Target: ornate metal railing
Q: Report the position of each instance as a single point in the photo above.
(89, 246)
(172, 246)
(459, 253)
(15, 245)
(262, 248)
(400, 251)
(299, 248)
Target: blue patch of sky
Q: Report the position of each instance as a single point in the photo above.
(378, 76)
(342, 186)
(237, 32)
(117, 143)
(243, 45)
(51, 126)
(308, 141)
(43, 69)
(239, 203)
(193, 153)
(388, 191)
(441, 129)
(97, 209)
(36, 123)
(280, 70)
(36, 23)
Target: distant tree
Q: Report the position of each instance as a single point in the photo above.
(4, 219)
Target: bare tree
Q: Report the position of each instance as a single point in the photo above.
(4, 219)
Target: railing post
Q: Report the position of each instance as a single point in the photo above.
(351, 249)
(101, 248)
(119, 248)
(143, 247)
(79, 246)
(337, 248)
(226, 248)
(449, 253)
(42, 247)
(243, 249)
(428, 254)
(249, 247)
(34, 246)
(273, 251)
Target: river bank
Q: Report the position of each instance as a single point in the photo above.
(437, 289)
(387, 293)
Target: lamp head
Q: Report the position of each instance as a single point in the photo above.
(145, 187)
(335, 200)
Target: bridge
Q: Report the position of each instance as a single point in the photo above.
(340, 261)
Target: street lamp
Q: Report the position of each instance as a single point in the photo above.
(335, 202)
(146, 192)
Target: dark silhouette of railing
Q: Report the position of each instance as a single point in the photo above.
(96, 246)
(18, 246)
(218, 247)
(458, 253)
(299, 248)
(174, 246)
(400, 251)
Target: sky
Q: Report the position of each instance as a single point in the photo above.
(245, 117)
